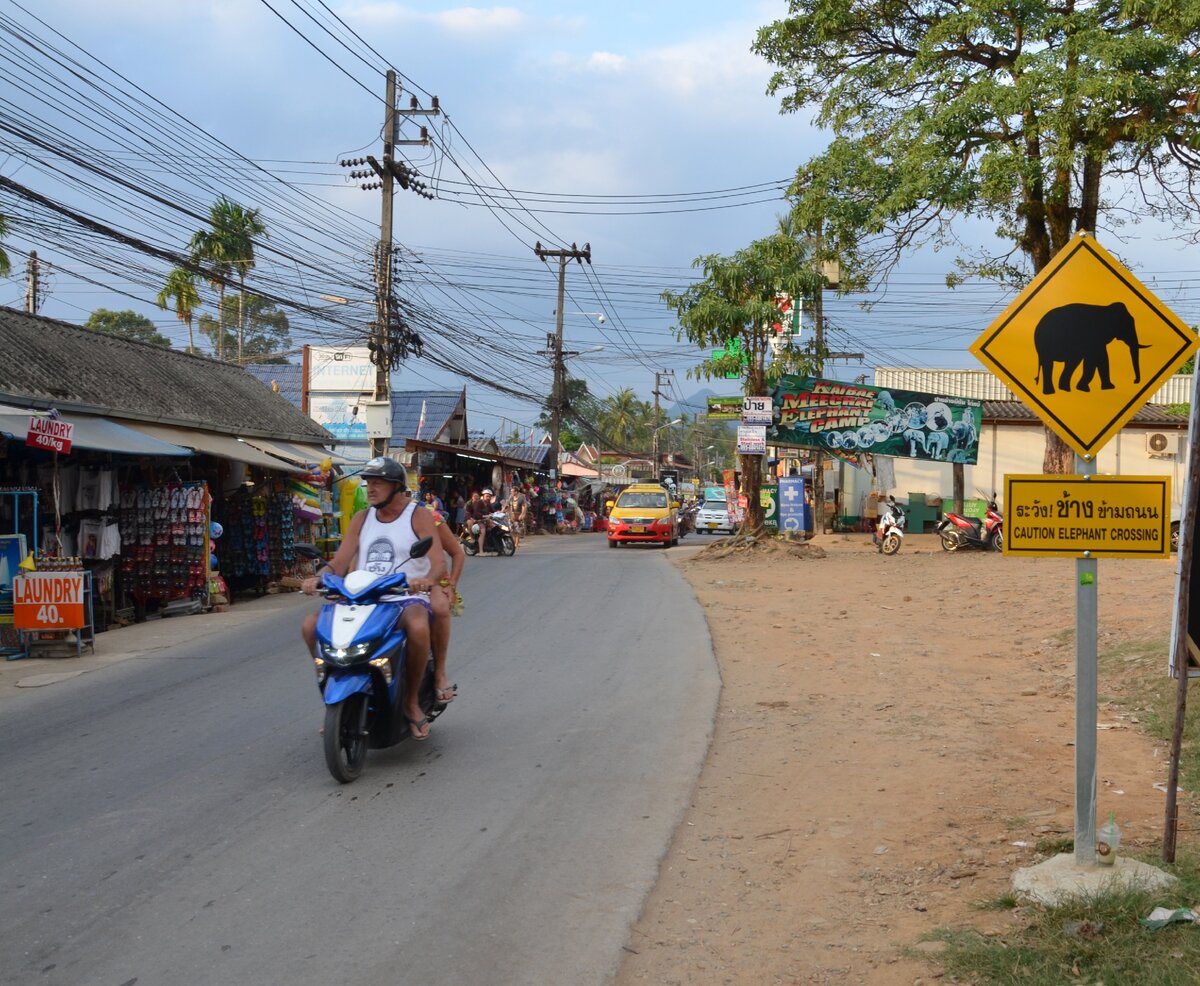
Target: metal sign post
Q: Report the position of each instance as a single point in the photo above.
(1086, 697)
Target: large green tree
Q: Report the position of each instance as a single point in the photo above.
(180, 291)
(733, 309)
(1041, 117)
(575, 398)
(126, 324)
(267, 336)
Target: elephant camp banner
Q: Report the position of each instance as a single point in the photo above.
(849, 419)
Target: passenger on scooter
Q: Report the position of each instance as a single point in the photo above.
(479, 514)
(387, 530)
(442, 599)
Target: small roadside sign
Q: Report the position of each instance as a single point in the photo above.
(1085, 345)
(1088, 517)
(757, 410)
(752, 440)
(48, 601)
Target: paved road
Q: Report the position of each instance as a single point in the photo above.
(168, 819)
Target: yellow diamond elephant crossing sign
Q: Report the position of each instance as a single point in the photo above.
(1085, 345)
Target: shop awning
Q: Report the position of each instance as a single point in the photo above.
(301, 455)
(96, 434)
(210, 443)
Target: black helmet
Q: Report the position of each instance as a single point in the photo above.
(381, 467)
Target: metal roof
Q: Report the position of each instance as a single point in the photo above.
(1151, 415)
(49, 363)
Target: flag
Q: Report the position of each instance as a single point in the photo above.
(421, 420)
(530, 442)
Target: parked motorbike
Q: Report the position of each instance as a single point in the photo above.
(969, 532)
(889, 532)
(498, 538)
(360, 667)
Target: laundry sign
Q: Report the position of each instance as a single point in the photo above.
(51, 434)
(48, 601)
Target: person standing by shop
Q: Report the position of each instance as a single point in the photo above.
(518, 507)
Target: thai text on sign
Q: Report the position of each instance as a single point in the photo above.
(52, 434)
(48, 601)
(1104, 516)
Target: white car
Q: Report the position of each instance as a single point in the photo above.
(713, 518)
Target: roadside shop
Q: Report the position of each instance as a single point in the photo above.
(162, 479)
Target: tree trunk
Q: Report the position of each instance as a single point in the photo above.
(752, 484)
(221, 322)
(191, 338)
(241, 313)
(1059, 458)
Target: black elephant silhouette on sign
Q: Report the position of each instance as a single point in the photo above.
(1079, 334)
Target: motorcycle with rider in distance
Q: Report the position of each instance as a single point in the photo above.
(360, 664)
(958, 532)
(889, 532)
(498, 538)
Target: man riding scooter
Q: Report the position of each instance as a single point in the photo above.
(379, 541)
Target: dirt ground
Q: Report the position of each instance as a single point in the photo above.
(894, 737)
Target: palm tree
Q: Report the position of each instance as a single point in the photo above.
(229, 246)
(210, 250)
(5, 265)
(622, 417)
(181, 288)
(239, 225)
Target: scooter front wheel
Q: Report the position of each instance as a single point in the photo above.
(950, 540)
(507, 545)
(891, 544)
(998, 541)
(346, 738)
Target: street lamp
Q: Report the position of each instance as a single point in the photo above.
(654, 439)
(598, 316)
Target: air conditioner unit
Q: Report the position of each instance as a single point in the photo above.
(1162, 443)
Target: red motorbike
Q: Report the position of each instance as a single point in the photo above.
(968, 532)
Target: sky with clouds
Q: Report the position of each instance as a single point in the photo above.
(604, 121)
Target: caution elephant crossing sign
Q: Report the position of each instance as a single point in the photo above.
(1085, 345)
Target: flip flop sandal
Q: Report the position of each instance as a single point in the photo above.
(446, 695)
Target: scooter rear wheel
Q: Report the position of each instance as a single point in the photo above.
(346, 738)
(470, 546)
(891, 544)
(950, 541)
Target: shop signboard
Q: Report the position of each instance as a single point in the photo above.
(756, 411)
(768, 497)
(340, 370)
(51, 434)
(791, 503)
(48, 601)
(1088, 516)
(752, 440)
(724, 408)
(852, 418)
(340, 416)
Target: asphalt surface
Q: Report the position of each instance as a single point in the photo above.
(167, 818)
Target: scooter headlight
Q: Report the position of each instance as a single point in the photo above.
(346, 655)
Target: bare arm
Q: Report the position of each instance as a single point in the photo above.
(453, 547)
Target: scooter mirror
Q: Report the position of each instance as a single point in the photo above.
(308, 551)
(421, 548)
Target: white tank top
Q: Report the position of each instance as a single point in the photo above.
(383, 546)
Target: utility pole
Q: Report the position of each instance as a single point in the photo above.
(388, 342)
(32, 287)
(658, 378)
(555, 342)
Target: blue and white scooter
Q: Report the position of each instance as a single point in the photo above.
(360, 665)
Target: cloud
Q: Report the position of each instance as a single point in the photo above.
(462, 21)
